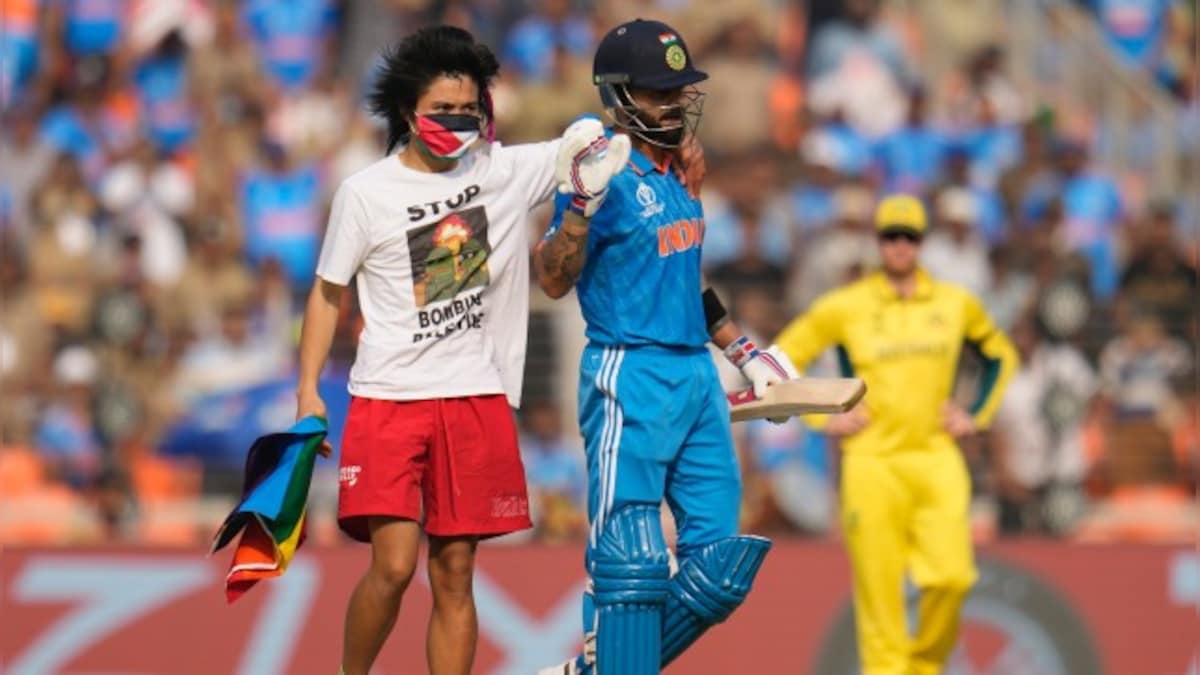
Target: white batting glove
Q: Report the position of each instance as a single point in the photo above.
(587, 161)
(783, 360)
(762, 368)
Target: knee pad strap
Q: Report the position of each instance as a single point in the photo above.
(630, 562)
(711, 583)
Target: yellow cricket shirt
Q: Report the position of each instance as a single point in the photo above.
(906, 350)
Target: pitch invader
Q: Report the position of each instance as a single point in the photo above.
(435, 234)
(653, 414)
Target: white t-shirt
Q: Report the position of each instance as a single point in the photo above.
(442, 261)
(1056, 376)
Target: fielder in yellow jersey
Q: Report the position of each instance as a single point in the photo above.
(905, 490)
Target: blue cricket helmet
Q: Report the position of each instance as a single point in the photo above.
(646, 54)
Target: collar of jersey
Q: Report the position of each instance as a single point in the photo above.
(923, 292)
(643, 165)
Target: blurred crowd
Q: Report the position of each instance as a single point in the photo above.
(167, 167)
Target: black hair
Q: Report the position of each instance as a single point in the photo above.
(412, 65)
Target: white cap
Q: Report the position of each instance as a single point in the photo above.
(122, 186)
(75, 365)
(853, 202)
(153, 20)
(957, 205)
(172, 189)
(820, 149)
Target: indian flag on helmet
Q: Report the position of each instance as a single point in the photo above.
(668, 38)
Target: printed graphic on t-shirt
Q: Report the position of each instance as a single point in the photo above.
(449, 256)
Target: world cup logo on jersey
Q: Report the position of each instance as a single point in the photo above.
(649, 201)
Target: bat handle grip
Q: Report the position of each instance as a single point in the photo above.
(739, 397)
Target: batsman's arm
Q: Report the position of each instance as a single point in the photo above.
(559, 258)
(1000, 360)
(586, 162)
(725, 335)
(759, 366)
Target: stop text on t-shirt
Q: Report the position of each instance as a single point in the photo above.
(420, 211)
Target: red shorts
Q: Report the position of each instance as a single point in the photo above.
(454, 461)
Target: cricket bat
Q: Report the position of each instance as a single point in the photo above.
(799, 396)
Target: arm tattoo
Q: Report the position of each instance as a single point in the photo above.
(563, 255)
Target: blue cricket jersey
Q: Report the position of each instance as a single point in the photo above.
(640, 284)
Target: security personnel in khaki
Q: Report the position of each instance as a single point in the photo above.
(905, 490)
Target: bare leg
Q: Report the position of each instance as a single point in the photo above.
(453, 628)
(375, 601)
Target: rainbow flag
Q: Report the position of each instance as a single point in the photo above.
(271, 514)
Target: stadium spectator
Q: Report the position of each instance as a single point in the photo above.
(1138, 365)
(60, 253)
(840, 253)
(752, 244)
(856, 62)
(1094, 211)
(1013, 288)
(985, 84)
(145, 198)
(739, 70)
(25, 348)
(225, 67)
(911, 157)
(214, 271)
(66, 435)
(280, 203)
(25, 158)
(1026, 186)
(19, 47)
(532, 42)
(236, 357)
(97, 117)
(850, 147)
(310, 123)
(1160, 277)
(545, 107)
(954, 251)
(990, 219)
(167, 114)
(1039, 463)
(808, 202)
(293, 39)
(90, 26)
(554, 471)
(994, 145)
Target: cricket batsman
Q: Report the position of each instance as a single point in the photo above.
(905, 489)
(436, 235)
(653, 414)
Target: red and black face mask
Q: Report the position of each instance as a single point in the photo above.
(447, 136)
